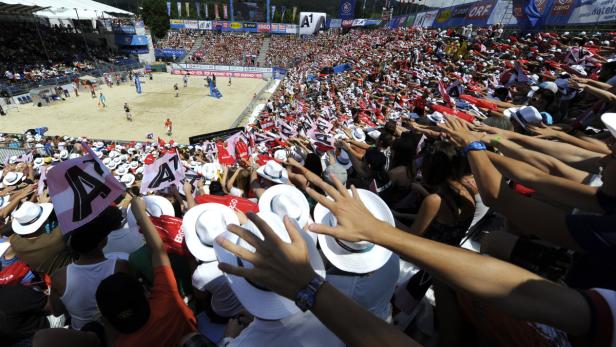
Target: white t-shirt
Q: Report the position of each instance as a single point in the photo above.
(373, 291)
(302, 329)
(124, 240)
(236, 192)
(207, 277)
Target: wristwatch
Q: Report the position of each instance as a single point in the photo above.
(306, 297)
(474, 146)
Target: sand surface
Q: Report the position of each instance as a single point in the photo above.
(194, 112)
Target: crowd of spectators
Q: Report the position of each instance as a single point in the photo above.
(239, 49)
(444, 188)
(182, 38)
(287, 50)
(31, 54)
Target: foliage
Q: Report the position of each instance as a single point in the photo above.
(155, 17)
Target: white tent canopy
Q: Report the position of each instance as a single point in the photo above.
(70, 9)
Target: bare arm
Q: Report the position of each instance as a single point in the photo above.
(190, 199)
(223, 182)
(576, 157)
(562, 136)
(285, 269)
(602, 93)
(428, 211)
(361, 145)
(539, 160)
(519, 293)
(254, 184)
(152, 239)
(16, 200)
(557, 189)
(231, 181)
(56, 292)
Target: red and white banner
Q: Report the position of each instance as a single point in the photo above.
(232, 202)
(218, 73)
(164, 172)
(443, 90)
(80, 189)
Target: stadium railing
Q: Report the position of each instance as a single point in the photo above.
(7, 152)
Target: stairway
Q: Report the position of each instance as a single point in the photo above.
(263, 52)
(194, 48)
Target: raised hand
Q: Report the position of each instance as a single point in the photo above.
(279, 266)
(354, 221)
(543, 131)
(459, 132)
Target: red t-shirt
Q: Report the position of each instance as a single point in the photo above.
(170, 319)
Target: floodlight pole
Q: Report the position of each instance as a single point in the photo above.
(82, 34)
(38, 31)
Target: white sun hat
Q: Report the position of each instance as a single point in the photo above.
(202, 224)
(111, 165)
(274, 172)
(122, 170)
(133, 164)
(355, 257)
(29, 217)
(128, 179)
(437, 118)
(4, 200)
(260, 301)
(344, 160)
(5, 244)
(12, 178)
(38, 162)
(155, 206)
(358, 134)
(280, 155)
(64, 154)
(609, 120)
(526, 115)
(286, 200)
(208, 171)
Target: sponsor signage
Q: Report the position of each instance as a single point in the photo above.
(480, 10)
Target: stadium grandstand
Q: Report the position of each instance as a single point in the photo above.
(307, 173)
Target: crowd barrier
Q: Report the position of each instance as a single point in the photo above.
(229, 26)
(226, 71)
(7, 152)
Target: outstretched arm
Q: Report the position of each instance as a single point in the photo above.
(539, 160)
(519, 293)
(557, 189)
(152, 239)
(285, 269)
(577, 157)
(562, 136)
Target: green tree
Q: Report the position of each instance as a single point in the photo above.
(155, 17)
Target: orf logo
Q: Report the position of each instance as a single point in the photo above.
(540, 5)
(346, 8)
